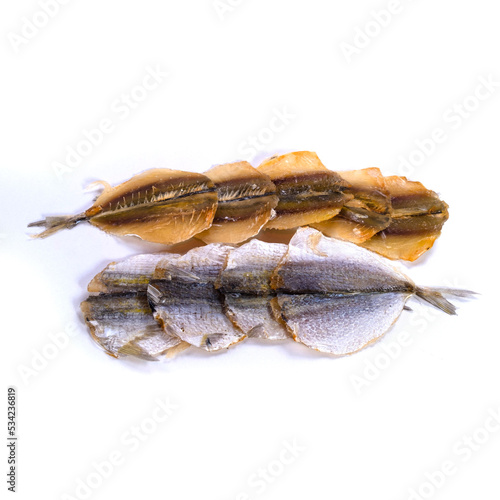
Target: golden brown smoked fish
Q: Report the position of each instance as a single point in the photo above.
(233, 202)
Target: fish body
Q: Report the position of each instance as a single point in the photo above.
(233, 202)
(330, 295)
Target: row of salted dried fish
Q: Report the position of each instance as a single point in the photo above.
(231, 203)
(327, 294)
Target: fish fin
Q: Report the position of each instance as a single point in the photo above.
(456, 292)
(132, 349)
(154, 296)
(174, 351)
(54, 224)
(101, 186)
(435, 297)
(258, 332)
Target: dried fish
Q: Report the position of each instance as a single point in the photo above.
(159, 205)
(246, 200)
(122, 324)
(308, 191)
(231, 203)
(328, 294)
(245, 281)
(417, 216)
(118, 313)
(186, 302)
(367, 213)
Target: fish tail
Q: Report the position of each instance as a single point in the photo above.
(435, 296)
(54, 224)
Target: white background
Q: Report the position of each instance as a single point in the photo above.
(229, 72)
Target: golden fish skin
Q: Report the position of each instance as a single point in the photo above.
(231, 203)
(368, 213)
(308, 192)
(330, 295)
(417, 217)
(246, 200)
(159, 205)
(155, 206)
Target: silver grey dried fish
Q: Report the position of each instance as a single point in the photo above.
(330, 295)
(118, 313)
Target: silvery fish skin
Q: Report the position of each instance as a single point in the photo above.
(330, 295)
(234, 202)
(346, 300)
(245, 281)
(118, 313)
(122, 324)
(187, 303)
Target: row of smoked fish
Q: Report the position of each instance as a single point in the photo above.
(233, 202)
